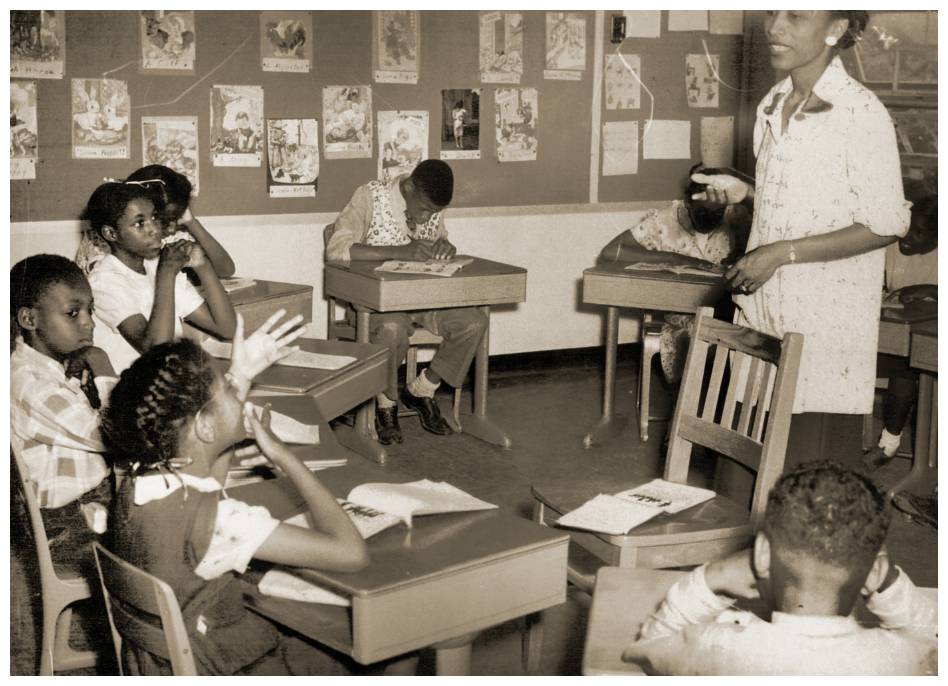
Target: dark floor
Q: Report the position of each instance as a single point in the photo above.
(546, 402)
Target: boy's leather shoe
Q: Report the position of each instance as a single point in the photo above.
(428, 413)
(875, 459)
(386, 425)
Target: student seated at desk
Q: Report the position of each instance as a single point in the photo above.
(173, 418)
(689, 232)
(177, 221)
(911, 276)
(140, 291)
(402, 220)
(58, 383)
(820, 547)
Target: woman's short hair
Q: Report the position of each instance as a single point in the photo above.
(858, 20)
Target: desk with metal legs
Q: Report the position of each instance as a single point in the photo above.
(480, 284)
(614, 286)
(437, 584)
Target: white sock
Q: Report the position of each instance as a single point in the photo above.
(422, 388)
(383, 401)
(890, 443)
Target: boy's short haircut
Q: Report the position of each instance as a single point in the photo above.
(32, 276)
(435, 179)
(108, 202)
(829, 512)
(176, 188)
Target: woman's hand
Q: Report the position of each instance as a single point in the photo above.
(723, 189)
(755, 268)
(264, 347)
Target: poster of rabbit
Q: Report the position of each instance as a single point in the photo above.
(100, 112)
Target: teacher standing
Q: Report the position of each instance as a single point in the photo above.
(828, 199)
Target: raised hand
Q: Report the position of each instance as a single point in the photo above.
(252, 355)
(723, 189)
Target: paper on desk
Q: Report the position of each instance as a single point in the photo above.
(608, 514)
(426, 267)
(416, 498)
(280, 584)
(673, 268)
(235, 283)
(300, 358)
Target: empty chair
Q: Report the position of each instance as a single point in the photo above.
(143, 611)
(60, 590)
(745, 422)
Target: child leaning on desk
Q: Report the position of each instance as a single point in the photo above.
(819, 549)
(141, 294)
(172, 420)
(691, 233)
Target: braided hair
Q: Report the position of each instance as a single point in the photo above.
(153, 400)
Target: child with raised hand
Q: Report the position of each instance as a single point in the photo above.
(173, 419)
(141, 294)
(177, 221)
(819, 549)
(58, 383)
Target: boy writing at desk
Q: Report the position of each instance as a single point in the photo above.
(402, 220)
(819, 548)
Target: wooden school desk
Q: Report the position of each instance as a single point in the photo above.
(923, 355)
(434, 585)
(480, 284)
(256, 303)
(331, 392)
(614, 286)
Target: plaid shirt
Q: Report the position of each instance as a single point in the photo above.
(54, 428)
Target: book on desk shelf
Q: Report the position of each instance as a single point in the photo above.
(426, 267)
(619, 513)
(674, 268)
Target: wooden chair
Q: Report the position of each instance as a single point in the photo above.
(747, 423)
(60, 590)
(132, 597)
(344, 329)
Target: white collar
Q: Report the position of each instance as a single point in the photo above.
(815, 625)
(158, 486)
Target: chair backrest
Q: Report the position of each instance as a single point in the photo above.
(327, 233)
(143, 611)
(46, 569)
(747, 367)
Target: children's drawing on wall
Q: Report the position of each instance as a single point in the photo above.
(173, 143)
(292, 158)
(347, 121)
(623, 87)
(516, 110)
(620, 148)
(565, 45)
(236, 126)
(100, 111)
(167, 40)
(403, 142)
(501, 47)
(461, 124)
(396, 48)
(24, 133)
(286, 41)
(701, 82)
(37, 44)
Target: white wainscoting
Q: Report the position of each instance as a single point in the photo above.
(554, 244)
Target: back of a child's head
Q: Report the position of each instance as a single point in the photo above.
(32, 276)
(827, 512)
(435, 179)
(175, 186)
(108, 202)
(154, 399)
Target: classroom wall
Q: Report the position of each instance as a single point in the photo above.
(553, 244)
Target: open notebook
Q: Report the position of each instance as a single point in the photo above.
(426, 267)
(619, 513)
(300, 358)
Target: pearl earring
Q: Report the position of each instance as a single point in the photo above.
(830, 41)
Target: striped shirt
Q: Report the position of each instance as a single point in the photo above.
(54, 428)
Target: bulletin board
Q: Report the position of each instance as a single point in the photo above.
(105, 44)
